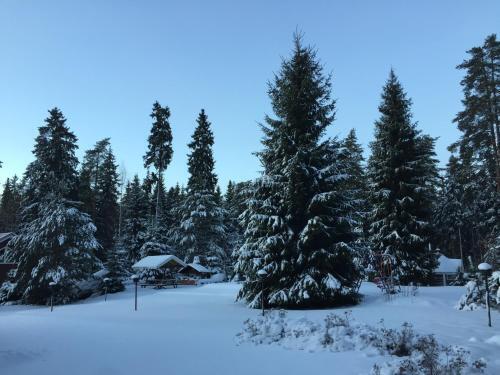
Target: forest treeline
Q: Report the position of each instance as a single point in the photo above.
(316, 220)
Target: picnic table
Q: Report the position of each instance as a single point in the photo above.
(159, 283)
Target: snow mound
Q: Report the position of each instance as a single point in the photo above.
(495, 340)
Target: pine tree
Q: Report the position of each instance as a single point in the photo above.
(297, 229)
(479, 122)
(56, 241)
(90, 174)
(135, 219)
(201, 232)
(450, 216)
(401, 167)
(160, 150)
(478, 148)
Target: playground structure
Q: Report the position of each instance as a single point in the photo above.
(385, 279)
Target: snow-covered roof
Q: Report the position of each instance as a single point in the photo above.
(101, 273)
(448, 265)
(198, 267)
(156, 261)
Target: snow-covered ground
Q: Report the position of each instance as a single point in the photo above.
(192, 330)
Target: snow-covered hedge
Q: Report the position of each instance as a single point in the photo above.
(413, 353)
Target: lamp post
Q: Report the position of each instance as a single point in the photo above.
(52, 285)
(106, 280)
(135, 279)
(262, 276)
(485, 270)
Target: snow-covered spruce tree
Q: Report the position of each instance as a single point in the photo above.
(135, 216)
(90, 172)
(114, 257)
(107, 204)
(172, 214)
(56, 240)
(235, 203)
(118, 268)
(356, 182)
(401, 169)
(201, 231)
(447, 218)
(98, 191)
(298, 229)
(157, 230)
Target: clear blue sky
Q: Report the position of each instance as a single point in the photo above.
(104, 63)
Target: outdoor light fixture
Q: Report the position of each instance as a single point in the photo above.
(486, 269)
(262, 276)
(135, 279)
(52, 285)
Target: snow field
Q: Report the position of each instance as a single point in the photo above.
(192, 330)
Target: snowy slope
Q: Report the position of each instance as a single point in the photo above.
(192, 330)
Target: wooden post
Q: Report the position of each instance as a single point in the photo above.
(136, 295)
(461, 251)
(262, 298)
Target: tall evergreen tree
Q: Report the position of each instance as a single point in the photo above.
(160, 150)
(401, 167)
(98, 191)
(56, 240)
(135, 219)
(172, 210)
(297, 228)
(356, 182)
(107, 204)
(90, 176)
(201, 232)
(235, 203)
(10, 205)
(479, 121)
(478, 149)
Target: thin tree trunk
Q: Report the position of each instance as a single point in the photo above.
(460, 245)
(493, 116)
(158, 196)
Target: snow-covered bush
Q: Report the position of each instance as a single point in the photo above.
(475, 293)
(413, 353)
(396, 342)
(430, 358)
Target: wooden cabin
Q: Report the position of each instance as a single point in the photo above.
(196, 271)
(159, 267)
(447, 271)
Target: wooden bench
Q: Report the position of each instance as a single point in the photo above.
(159, 283)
